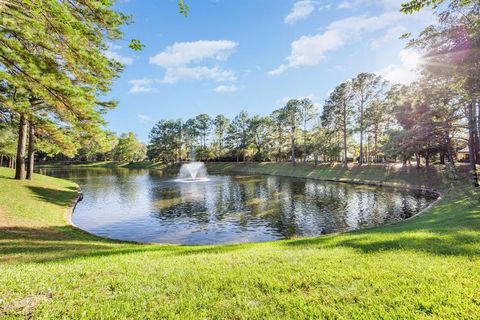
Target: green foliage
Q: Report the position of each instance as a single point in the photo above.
(183, 7)
(136, 45)
(221, 124)
(129, 148)
(416, 5)
(53, 60)
(167, 140)
(203, 124)
(238, 135)
(261, 137)
(8, 141)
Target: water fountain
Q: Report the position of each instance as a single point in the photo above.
(193, 172)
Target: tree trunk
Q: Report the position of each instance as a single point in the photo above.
(22, 135)
(478, 131)
(367, 150)
(471, 149)
(293, 151)
(1, 160)
(345, 159)
(360, 159)
(476, 112)
(449, 148)
(31, 151)
(442, 158)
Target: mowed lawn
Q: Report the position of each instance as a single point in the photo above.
(426, 267)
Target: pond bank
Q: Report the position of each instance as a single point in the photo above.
(426, 267)
(393, 175)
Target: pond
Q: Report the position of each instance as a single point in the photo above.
(149, 206)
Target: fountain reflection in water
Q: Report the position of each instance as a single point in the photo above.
(193, 172)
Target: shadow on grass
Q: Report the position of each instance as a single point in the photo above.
(55, 196)
(42, 245)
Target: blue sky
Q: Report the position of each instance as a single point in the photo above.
(232, 55)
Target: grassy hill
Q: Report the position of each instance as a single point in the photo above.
(426, 267)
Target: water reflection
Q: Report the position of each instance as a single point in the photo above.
(149, 206)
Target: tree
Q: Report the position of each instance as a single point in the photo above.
(190, 135)
(260, 136)
(54, 52)
(366, 87)
(238, 135)
(129, 148)
(292, 117)
(278, 132)
(309, 112)
(166, 140)
(8, 141)
(452, 49)
(221, 124)
(338, 112)
(95, 148)
(417, 5)
(379, 116)
(203, 124)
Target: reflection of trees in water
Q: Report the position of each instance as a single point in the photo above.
(174, 200)
(291, 207)
(105, 185)
(324, 207)
(260, 207)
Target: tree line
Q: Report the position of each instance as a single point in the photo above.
(365, 119)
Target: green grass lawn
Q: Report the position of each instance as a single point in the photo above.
(426, 267)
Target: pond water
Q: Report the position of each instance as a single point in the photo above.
(149, 206)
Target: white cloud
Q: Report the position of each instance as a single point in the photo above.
(172, 75)
(301, 10)
(311, 50)
(144, 118)
(406, 72)
(391, 34)
(113, 46)
(111, 53)
(183, 53)
(226, 89)
(326, 7)
(180, 58)
(142, 85)
(353, 4)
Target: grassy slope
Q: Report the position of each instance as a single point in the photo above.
(393, 174)
(424, 267)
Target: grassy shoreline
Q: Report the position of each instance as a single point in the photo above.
(425, 267)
